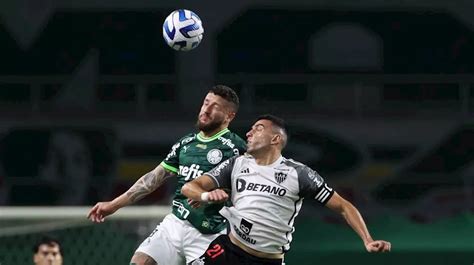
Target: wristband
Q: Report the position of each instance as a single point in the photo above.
(205, 196)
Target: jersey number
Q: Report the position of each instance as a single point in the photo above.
(215, 251)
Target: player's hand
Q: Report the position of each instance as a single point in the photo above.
(102, 209)
(218, 195)
(378, 246)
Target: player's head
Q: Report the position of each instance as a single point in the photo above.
(47, 251)
(218, 109)
(267, 132)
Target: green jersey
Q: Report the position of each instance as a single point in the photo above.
(189, 158)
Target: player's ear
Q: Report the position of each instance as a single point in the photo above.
(276, 139)
(230, 115)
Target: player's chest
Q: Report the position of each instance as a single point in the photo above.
(197, 158)
(264, 181)
(204, 154)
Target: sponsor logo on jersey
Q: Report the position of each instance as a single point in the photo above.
(187, 140)
(245, 226)
(181, 209)
(217, 170)
(280, 177)
(244, 236)
(242, 185)
(214, 156)
(173, 151)
(190, 172)
(315, 177)
(226, 141)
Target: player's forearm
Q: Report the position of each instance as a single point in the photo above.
(355, 220)
(192, 190)
(121, 201)
(144, 186)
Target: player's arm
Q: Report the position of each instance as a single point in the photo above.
(355, 220)
(209, 187)
(142, 187)
(203, 189)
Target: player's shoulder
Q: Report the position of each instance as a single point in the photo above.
(298, 166)
(187, 138)
(242, 157)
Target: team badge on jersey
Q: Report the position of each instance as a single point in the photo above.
(280, 177)
(214, 156)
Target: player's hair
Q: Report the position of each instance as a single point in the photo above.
(228, 94)
(277, 122)
(47, 240)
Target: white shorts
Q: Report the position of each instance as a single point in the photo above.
(175, 241)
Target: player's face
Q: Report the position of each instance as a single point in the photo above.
(213, 114)
(48, 255)
(260, 136)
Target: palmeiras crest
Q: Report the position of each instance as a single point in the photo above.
(280, 177)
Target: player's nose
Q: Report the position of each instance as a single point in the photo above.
(206, 109)
(249, 134)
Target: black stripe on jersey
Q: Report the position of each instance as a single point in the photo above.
(292, 218)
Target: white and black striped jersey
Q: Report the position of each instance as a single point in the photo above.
(267, 199)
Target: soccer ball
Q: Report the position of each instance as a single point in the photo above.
(183, 30)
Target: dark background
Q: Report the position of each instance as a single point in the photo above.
(378, 96)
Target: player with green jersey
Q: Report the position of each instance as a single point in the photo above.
(184, 234)
(189, 158)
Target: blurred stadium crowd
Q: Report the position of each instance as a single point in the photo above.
(379, 97)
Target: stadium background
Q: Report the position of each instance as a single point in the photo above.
(378, 95)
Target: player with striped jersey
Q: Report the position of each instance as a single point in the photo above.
(185, 234)
(267, 192)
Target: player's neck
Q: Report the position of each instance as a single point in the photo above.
(266, 158)
(210, 134)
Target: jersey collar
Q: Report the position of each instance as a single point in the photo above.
(205, 139)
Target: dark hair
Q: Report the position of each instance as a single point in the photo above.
(47, 240)
(228, 94)
(279, 122)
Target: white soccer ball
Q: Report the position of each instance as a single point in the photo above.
(183, 30)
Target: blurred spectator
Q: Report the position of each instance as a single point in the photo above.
(47, 251)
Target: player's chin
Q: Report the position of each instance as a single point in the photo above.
(203, 124)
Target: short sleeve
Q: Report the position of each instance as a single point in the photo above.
(312, 185)
(171, 162)
(222, 174)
